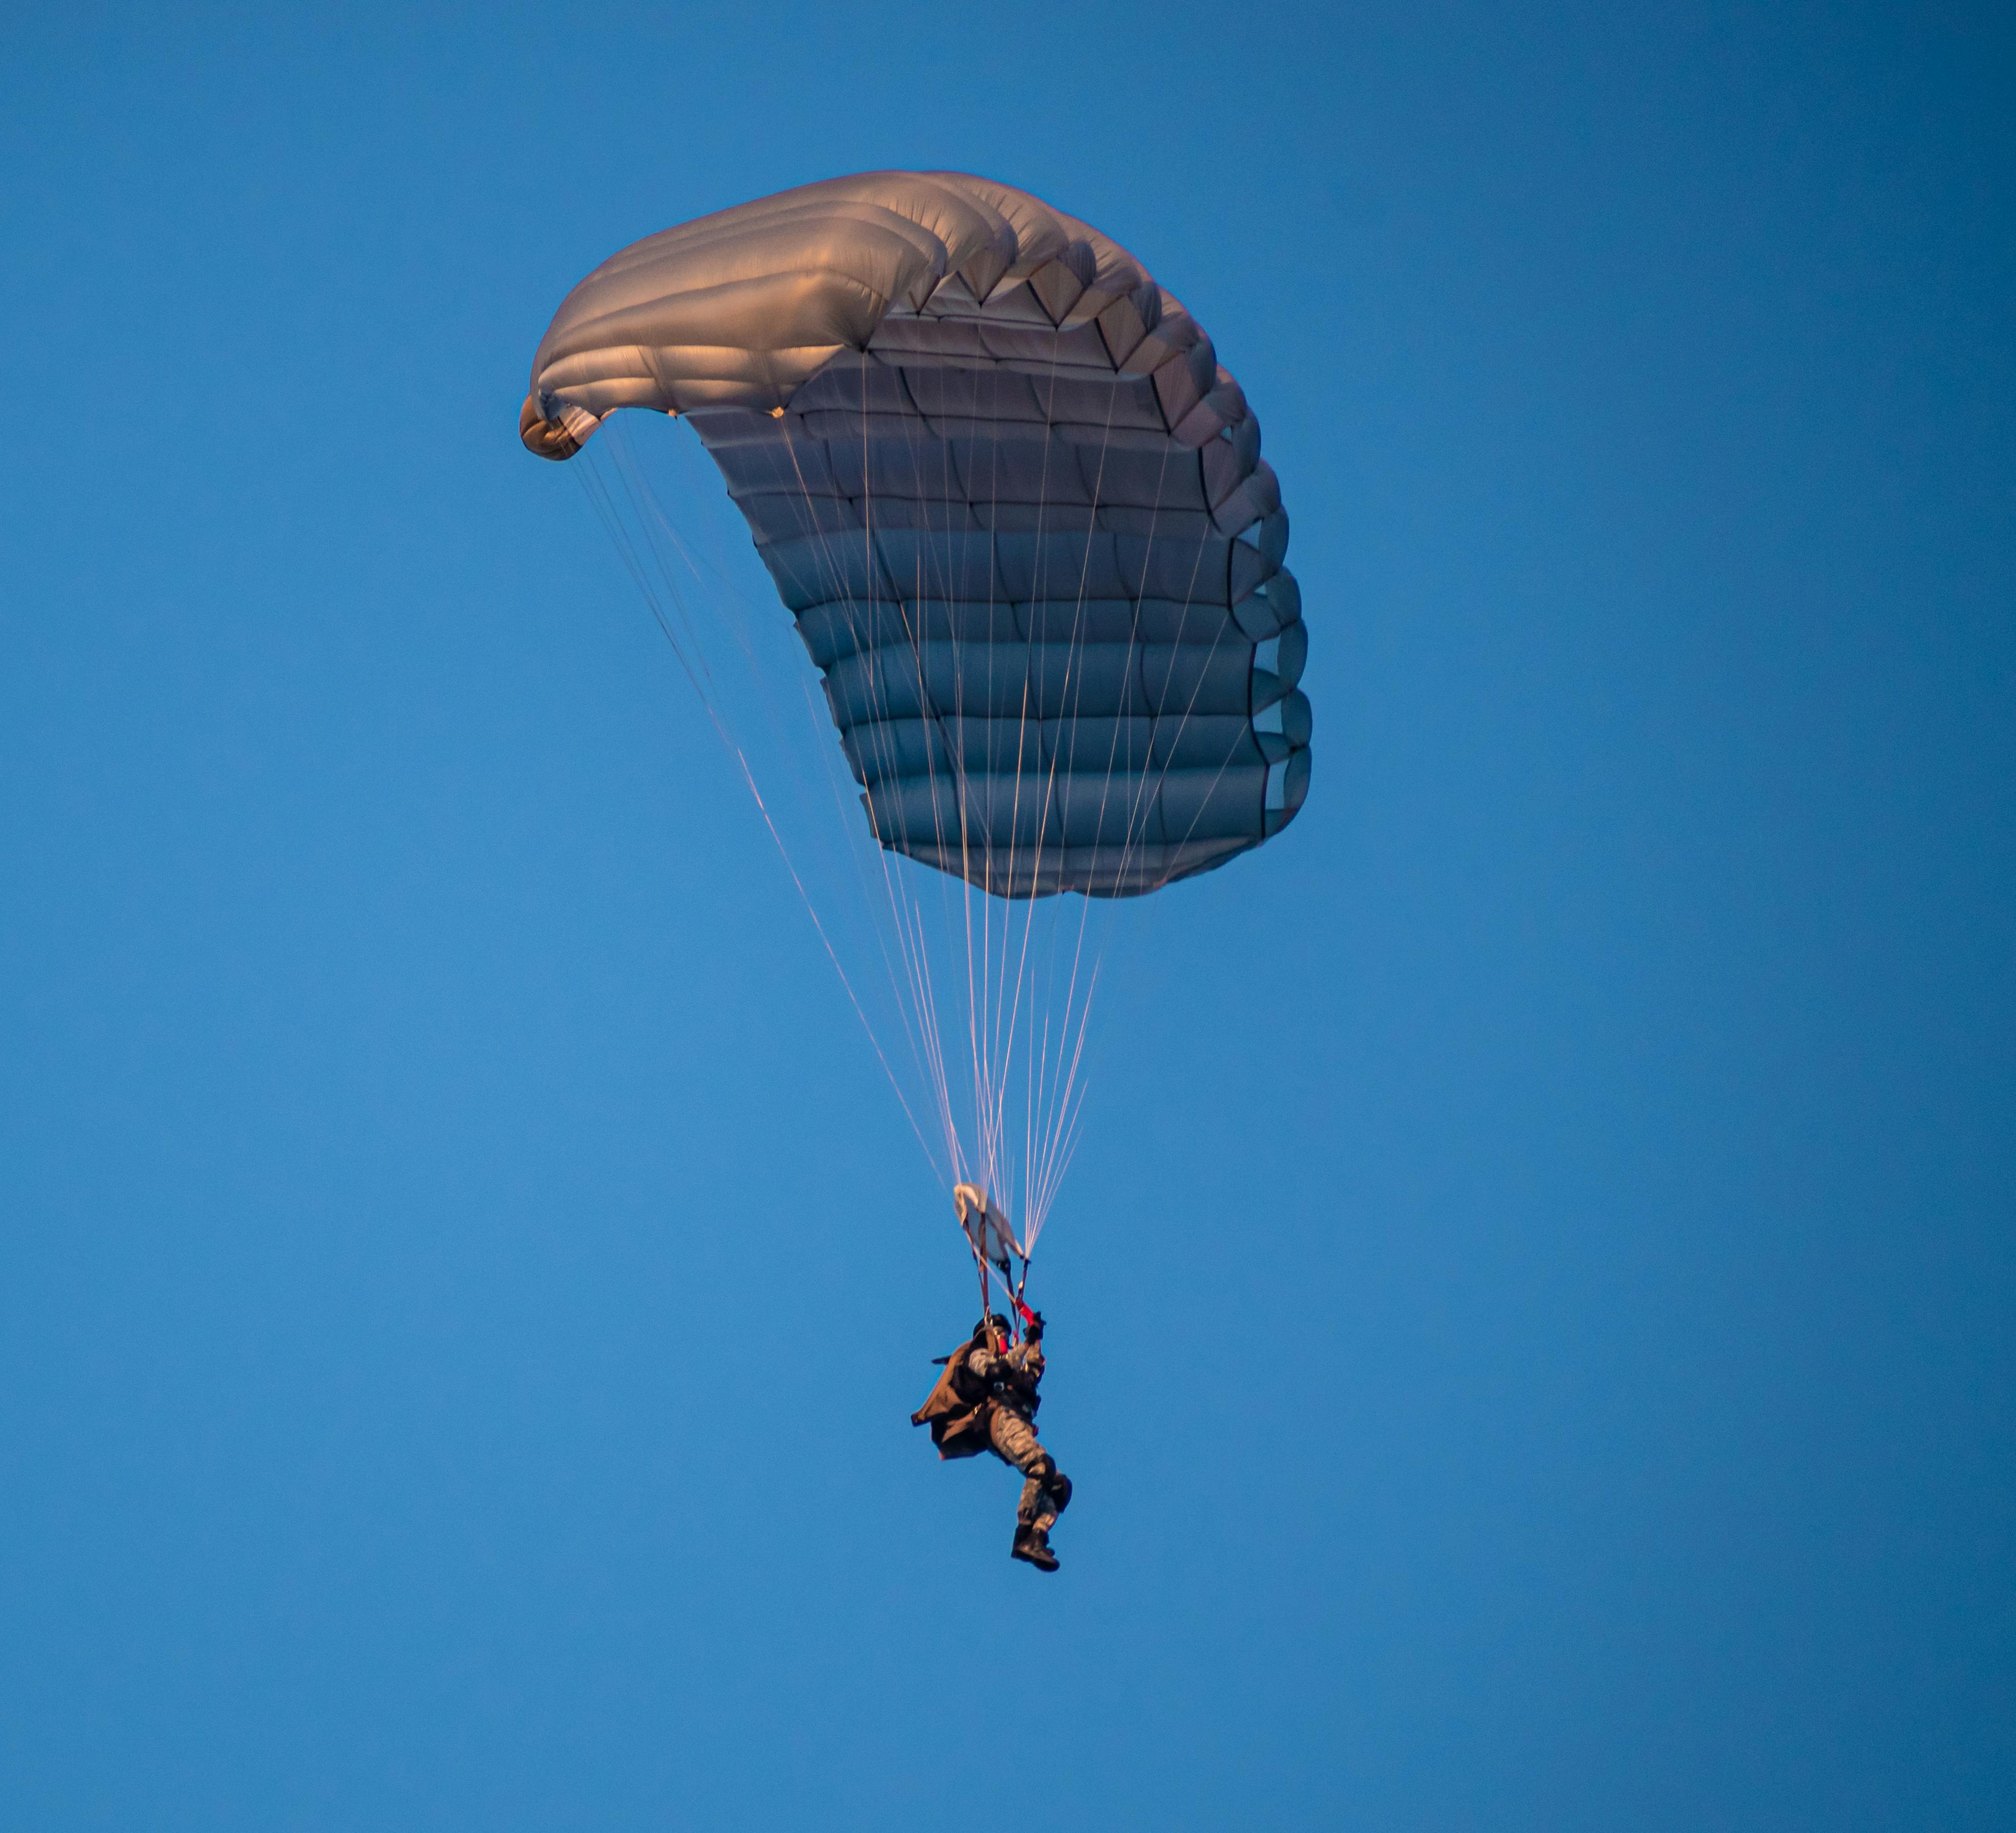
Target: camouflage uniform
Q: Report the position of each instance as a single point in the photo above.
(1012, 1377)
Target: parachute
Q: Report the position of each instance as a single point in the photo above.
(1017, 510)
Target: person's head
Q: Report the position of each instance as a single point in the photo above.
(994, 1324)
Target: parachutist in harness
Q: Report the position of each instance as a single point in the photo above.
(987, 1397)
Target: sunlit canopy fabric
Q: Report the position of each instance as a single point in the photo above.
(1016, 505)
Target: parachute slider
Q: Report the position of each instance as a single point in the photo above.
(990, 1232)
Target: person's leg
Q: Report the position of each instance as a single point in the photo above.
(1044, 1492)
(1053, 1493)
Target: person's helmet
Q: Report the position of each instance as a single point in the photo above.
(999, 1322)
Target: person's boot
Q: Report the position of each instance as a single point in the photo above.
(1033, 1544)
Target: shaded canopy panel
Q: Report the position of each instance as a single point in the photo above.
(1016, 505)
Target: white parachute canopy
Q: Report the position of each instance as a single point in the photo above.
(1018, 512)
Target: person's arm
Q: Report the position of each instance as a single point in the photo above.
(1021, 1369)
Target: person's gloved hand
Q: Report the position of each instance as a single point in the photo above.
(1032, 1326)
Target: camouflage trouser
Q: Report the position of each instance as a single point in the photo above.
(1047, 1491)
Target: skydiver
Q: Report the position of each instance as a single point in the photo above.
(986, 1400)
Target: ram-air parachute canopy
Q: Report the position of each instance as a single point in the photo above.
(1016, 505)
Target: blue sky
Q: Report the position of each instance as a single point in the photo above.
(1531, 1309)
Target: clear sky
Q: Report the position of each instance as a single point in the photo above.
(1532, 1311)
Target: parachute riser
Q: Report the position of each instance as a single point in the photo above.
(1011, 1288)
(981, 1225)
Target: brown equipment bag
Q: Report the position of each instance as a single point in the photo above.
(959, 1410)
